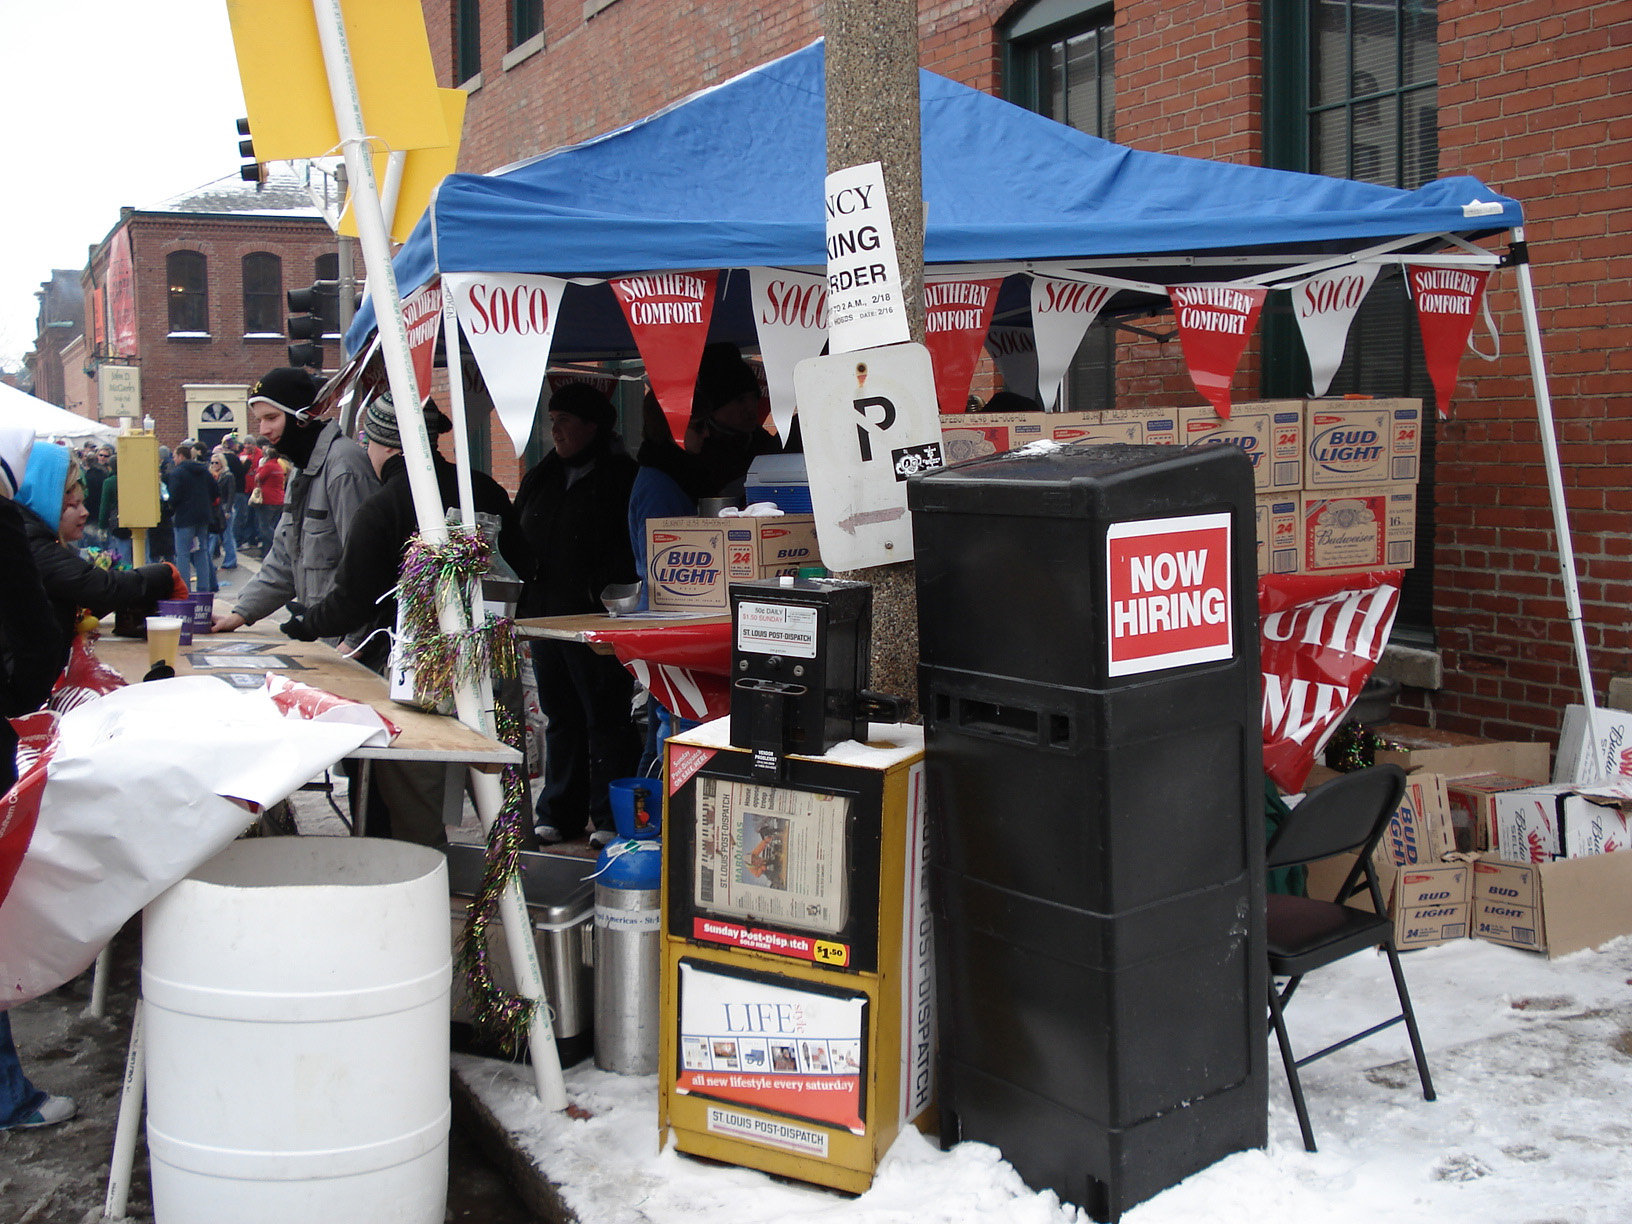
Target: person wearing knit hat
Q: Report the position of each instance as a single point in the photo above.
(725, 432)
(573, 509)
(405, 798)
(333, 479)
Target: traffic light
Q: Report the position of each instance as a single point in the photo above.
(251, 171)
(313, 314)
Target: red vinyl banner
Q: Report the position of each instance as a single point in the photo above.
(668, 316)
(956, 316)
(20, 806)
(1319, 639)
(1215, 323)
(1446, 301)
(422, 315)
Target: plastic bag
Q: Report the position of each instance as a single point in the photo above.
(20, 806)
(1320, 638)
(85, 678)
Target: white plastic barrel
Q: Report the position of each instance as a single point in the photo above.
(296, 1002)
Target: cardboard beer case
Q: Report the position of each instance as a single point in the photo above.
(691, 562)
(1276, 518)
(1557, 907)
(1269, 431)
(1473, 805)
(973, 435)
(1610, 755)
(1347, 531)
(1350, 442)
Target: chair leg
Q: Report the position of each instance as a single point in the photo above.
(1278, 1019)
(1410, 1021)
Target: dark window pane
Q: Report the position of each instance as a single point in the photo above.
(1419, 38)
(1329, 63)
(526, 19)
(467, 39)
(263, 293)
(189, 300)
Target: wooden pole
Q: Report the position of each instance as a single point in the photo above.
(872, 115)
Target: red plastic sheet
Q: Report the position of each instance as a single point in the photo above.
(1320, 638)
(686, 667)
(20, 806)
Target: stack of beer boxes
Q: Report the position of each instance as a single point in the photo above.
(1336, 479)
(691, 562)
(1557, 873)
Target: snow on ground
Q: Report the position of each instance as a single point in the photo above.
(1532, 1061)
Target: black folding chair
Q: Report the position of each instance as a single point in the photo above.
(1346, 815)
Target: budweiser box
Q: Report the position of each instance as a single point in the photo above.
(1270, 432)
(1588, 828)
(1161, 425)
(1277, 522)
(1542, 823)
(1608, 755)
(972, 435)
(691, 562)
(1473, 805)
(1556, 908)
(1349, 442)
(1346, 531)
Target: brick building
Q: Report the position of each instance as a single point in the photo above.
(61, 322)
(1530, 96)
(191, 292)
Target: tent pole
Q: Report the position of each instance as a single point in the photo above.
(416, 450)
(1555, 479)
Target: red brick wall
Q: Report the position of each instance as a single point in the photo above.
(1534, 100)
(226, 357)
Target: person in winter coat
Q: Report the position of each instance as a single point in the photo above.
(33, 651)
(406, 799)
(50, 491)
(334, 479)
(271, 482)
(194, 500)
(573, 510)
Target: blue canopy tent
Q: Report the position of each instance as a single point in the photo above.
(731, 178)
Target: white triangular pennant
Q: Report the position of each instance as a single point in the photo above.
(1061, 311)
(509, 319)
(1014, 350)
(1325, 306)
(790, 311)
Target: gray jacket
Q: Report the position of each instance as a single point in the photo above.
(321, 504)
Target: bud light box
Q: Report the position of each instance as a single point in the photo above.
(1352, 442)
(1271, 432)
(1431, 904)
(691, 562)
(1558, 907)
(1277, 523)
(1346, 531)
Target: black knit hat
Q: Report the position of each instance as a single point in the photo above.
(582, 400)
(287, 387)
(722, 375)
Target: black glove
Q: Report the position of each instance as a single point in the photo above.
(296, 626)
(160, 671)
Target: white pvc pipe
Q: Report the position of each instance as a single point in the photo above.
(130, 1119)
(1555, 484)
(456, 411)
(98, 1006)
(416, 452)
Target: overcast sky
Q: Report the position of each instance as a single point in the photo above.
(102, 103)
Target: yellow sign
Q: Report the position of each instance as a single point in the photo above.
(422, 171)
(286, 87)
(828, 953)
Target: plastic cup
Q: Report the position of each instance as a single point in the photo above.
(164, 640)
(203, 611)
(183, 609)
(637, 806)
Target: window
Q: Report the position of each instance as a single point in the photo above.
(467, 40)
(1060, 62)
(526, 20)
(263, 294)
(184, 272)
(1351, 90)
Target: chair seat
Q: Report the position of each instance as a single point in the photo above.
(1304, 934)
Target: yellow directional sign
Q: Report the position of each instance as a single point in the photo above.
(423, 170)
(286, 87)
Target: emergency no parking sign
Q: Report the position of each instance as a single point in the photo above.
(1168, 582)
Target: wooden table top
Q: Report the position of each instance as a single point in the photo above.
(243, 658)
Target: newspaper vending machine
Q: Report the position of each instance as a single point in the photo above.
(798, 1002)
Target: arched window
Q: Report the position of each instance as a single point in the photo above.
(263, 294)
(1059, 61)
(185, 272)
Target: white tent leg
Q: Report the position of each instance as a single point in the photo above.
(1555, 483)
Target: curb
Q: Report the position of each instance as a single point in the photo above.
(531, 1184)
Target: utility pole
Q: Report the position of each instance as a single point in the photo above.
(872, 115)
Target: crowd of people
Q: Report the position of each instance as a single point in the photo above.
(330, 516)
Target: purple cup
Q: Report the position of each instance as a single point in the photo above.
(184, 609)
(203, 612)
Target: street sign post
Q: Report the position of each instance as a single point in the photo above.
(869, 421)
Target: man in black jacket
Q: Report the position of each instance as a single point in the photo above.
(407, 800)
(193, 500)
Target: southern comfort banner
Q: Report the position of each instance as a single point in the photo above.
(1215, 323)
(956, 316)
(668, 315)
(1446, 300)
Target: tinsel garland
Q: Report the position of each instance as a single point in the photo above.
(499, 1015)
(1355, 746)
(441, 662)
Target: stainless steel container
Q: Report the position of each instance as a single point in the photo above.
(628, 953)
(560, 901)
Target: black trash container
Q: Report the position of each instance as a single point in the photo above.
(1089, 636)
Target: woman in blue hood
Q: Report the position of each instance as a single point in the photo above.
(50, 487)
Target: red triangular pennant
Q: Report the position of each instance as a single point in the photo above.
(1215, 323)
(668, 314)
(956, 316)
(1447, 300)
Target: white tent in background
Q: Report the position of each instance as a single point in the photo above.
(47, 420)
